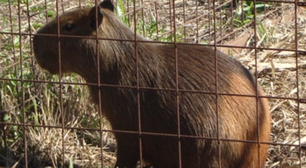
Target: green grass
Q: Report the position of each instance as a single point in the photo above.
(13, 2)
(246, 14)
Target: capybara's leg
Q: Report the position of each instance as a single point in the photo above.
(127, 151)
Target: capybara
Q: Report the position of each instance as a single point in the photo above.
(175, 104)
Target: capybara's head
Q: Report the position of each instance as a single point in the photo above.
(69, 38)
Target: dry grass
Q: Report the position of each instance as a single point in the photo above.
(47, 108)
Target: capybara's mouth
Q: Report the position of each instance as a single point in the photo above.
(51, 70)
(46, 64)
(44, 57)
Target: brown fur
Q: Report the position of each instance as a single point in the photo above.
(202, 114)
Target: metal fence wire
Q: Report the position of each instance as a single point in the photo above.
(142, 83)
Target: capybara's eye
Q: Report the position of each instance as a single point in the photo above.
(69, 26)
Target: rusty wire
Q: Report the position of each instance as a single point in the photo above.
(173, 28)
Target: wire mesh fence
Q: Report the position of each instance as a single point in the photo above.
(55, 120)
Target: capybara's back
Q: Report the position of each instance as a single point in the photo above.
(177, 105)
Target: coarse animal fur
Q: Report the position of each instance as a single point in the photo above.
(173, 89)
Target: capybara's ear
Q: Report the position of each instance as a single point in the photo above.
(96, 17)
(107, 4)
